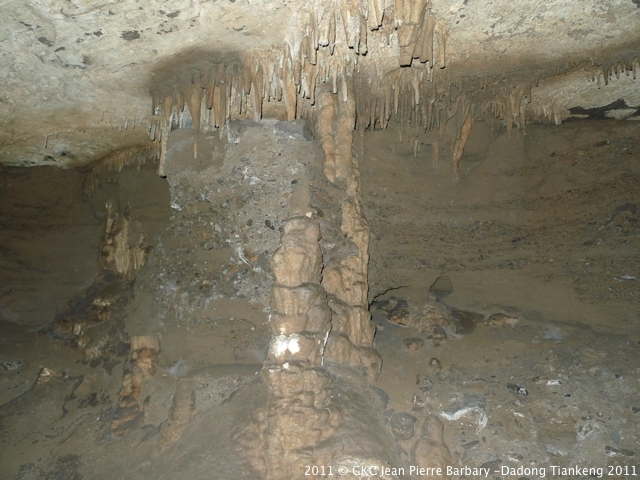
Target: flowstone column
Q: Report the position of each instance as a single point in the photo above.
(346, 280)
(298, 415)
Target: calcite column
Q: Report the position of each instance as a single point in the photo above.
(298, 417)
(142, 365)
(346, 281)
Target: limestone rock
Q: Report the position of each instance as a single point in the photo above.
(400, 314)
(402, 425)
(413, 345)
(501, 320)
(432, 319)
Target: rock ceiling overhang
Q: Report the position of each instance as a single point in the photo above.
(79, 76)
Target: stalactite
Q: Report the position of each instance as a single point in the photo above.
(460, 143)
(194, 102)
(289, 88)
(441, 30)
(115, 162)
(350, 11)
(435, 147)
(258, 93)
(331, 58)
(375, 14)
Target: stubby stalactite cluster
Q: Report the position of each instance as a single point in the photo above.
(337, 50)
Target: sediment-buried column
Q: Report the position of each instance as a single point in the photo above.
(300, 389)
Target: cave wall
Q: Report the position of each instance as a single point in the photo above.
(547, 215)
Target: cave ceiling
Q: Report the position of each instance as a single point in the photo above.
(83, 78)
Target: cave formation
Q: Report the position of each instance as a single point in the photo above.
(274, 240)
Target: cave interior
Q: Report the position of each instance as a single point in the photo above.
(279, 239)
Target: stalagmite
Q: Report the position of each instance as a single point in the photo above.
(431, 451)
(343, 132)
(299, 388)
(180, 413)
(141, 366)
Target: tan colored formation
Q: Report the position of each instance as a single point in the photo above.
(142, 365)
(317, 314)
(115, 162)
(182, 408)
(292, 82)
(298, 415)
(420, 36)
(94, 320)
(346, 279)
(430, 451)
(119, 253)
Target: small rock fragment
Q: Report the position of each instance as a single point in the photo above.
(413, 345)
(502, 320)
(464, 321)
(431, 318)
(471, 444)
(587, 426)
(424, 382)
(556, 450)
(468, 403)
(399, 314)
(402, 425)
(492, 464)
(384, 396)
(8, 366)
(517, 389)
(618, 452)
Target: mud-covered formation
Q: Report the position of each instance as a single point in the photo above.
(94, 320)
(357, 238)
